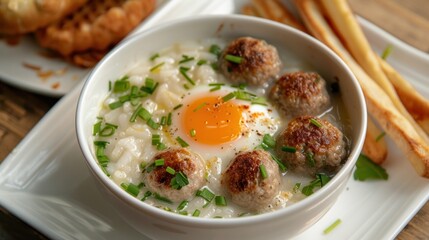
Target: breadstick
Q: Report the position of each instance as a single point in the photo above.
(343, 19)
(276, 11)
(414, 102)
(249, 10)
(375, 150)
(379, 103)
(375, 146)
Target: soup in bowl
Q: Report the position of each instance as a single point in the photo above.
(221, 127)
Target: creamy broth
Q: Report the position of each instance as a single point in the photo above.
(173, 71)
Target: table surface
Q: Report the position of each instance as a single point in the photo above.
(21, 110)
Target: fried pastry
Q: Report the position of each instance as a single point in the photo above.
(94, 28)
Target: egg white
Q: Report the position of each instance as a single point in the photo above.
(257, 121)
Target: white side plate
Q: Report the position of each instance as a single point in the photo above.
(45, 182)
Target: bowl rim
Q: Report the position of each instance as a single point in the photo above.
(224, 222)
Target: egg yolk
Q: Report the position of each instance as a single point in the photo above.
(210, 120)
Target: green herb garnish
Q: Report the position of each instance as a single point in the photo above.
(179, 180)
(182, 142)
(289, 149)
(131, 189)
(234, 59)
(367, 169)
(206, 194)
(220, 201)
(320, 181)
(156, 67)
(215, 49)
(380, 136)
(183, 71)
(332, 226)
(387, 51)
(263, 171)
(315, 122)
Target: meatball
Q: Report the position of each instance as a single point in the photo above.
(310, 145)
(244, 182)
(259, 61)
(163, 182)
(300, 93)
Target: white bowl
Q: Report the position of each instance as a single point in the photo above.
(160, 224)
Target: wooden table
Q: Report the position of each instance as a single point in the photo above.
(21, 110)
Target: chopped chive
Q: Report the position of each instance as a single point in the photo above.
(310, 159)
(163, 120)
(296, 187)
(115, 105)
(183, 213)
(263, 171)
(131, 189)
(196, 213)
(179, 180)
(143, 113)
(201, 62)
(289, 149)
(161, 198)
(182, 205)
(159, 162)
(259, 101)
(228, 97)
(146, 195)
(323, 178)
(108, 130)
(200, 106)
(143, 166)
(269, 141)
(155, 56)
(380, 136)
(186, 58)
(215, 49)
(216, 84)
(332, 226)
(243, 95)
(281, 165)
(178, 106)
(315, 122)
(169, 119)
(151, 123)
(240, 86)
(96, 128)
(220, 201)
(150, 168)
(214, 88)
(121, 85)
(214, 66)
(387, 51)
(150, 86)
(170, 170)
(186, 86)
(234, 59)
(141, 185)
(206, 194)
(161, 146)
(156, 67)
(182, 142)
(193, 132)
(183, 71)
(156, 139)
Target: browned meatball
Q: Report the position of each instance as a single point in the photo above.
(319, 146)
(245, 183)
(300, 93)
(260, 61)
(159, 180)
